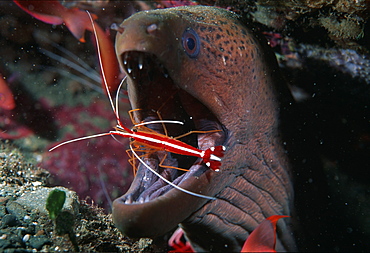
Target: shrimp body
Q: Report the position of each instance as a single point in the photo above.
(211, 156)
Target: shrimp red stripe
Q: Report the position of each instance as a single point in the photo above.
(163, 142)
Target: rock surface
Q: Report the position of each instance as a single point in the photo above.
(25, 225)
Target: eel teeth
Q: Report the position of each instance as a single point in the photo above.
(134, 62)
(125, 59)
(140, 64)
(129, 199)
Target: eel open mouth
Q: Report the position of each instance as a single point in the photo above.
(152, 91)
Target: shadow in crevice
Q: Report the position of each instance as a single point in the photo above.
(33, 114)
(333, 128)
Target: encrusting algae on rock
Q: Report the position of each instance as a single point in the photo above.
(25, 224)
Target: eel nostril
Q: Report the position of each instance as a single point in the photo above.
(117, 28)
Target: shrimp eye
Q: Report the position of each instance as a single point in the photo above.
(191, 43)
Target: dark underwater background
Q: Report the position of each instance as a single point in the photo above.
(322, 48)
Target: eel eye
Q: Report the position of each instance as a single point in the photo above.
(191, 43)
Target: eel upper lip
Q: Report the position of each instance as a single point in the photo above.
(153, 92)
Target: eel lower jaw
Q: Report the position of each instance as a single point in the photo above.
(157, 216)
(151, 207)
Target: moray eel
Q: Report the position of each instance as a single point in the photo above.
(202, 66)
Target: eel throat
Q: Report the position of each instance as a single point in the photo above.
(201, 66)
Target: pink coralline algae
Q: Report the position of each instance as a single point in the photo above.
(95, 168)
(168, 4)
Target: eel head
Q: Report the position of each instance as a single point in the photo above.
(198, 65)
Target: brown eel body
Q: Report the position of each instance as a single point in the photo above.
(201, 65)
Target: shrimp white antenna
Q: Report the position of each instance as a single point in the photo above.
(167, 181)
(80, 66)
(101, 65)
(117, 96)
(79, 139)
(160, 121)
(106, 87)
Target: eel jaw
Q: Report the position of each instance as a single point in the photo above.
(151, 207)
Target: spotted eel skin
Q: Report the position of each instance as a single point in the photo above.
(219, 66)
